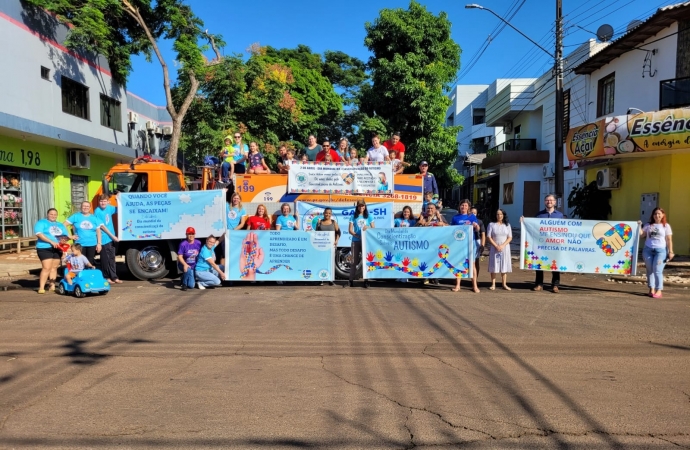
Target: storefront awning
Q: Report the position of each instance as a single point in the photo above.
(631, 134)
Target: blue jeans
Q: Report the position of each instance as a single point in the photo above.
(225, 169)
(208, 278)
(654, 261)
(187, 277)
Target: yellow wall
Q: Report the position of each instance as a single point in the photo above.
(669, 176)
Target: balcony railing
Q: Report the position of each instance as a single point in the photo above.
(674, 93)
(513, 144)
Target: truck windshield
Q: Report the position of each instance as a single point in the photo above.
(173, 182)
(129, 182)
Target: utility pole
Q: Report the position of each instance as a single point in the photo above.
(559, 113)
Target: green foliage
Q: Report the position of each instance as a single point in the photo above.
(413, 65)
(590, 202)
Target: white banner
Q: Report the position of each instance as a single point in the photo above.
(340, 178)
(583, 246)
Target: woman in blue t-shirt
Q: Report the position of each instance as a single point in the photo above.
(286, 221)
(406, 220)
(235, 214)
(49, 232)
(359, 222)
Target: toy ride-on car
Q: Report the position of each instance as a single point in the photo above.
(88, 281)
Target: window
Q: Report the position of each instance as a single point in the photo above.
(79, 187)
(75, 98)
(173, 182)
(45, 73)
(566, 114)
(508, 193)
(111, 114)
(605, 95)
(450, 120)
(129, 182)
(478, 116)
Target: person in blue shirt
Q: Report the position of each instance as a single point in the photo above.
(286, 221)
(48, 232)
(104, 213)
(550, 212)
(235, 214)
(428, 179)
(206, 271)
(87, 227)
(359, 222)
(406, 219)
(465, 217)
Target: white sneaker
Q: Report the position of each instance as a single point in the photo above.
(200, 286)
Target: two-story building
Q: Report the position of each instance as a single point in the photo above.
(637, 140)
(64, 121)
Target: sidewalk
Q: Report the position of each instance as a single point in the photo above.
(13, 265)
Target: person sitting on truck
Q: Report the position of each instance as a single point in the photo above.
(283, 159)
(286, 220)
(259, 221)
(186, 258)
(206, 271)
(235, 214)
(257, 164)
(77, 262)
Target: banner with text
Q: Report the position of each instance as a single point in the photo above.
(582, 246)
(279, 255)
(340, 178)
(418, 253)
(310, 213)
(166, 215)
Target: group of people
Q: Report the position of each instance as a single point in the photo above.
(92, 233)
(240, 158)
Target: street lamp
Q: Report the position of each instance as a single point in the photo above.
(558, 72)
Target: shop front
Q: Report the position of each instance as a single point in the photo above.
(639, 157)
(36, 176)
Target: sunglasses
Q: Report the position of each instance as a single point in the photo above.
(237, 137)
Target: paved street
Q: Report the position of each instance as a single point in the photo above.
(395, 366)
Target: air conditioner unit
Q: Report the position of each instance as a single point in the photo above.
(157, 130)
(608, 178)
(487, 140)
(79, 159)
(150, 125)
(508, 128)
(167, 131)
(133, 117)
(548, 170)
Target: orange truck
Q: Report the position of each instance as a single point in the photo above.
(152, 259)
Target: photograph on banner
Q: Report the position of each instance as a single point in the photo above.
(340, 178)
(580, 246)
(418, 253)
(166, 215)
(284, 255)
(310, 213)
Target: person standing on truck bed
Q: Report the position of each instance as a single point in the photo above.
(394, 144)
(87, 227)
(327, 150)
(312, 149)
(428, 178)
(377, 152)
(235, 158)
(104, 213)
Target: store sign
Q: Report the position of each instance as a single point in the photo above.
(668, 129)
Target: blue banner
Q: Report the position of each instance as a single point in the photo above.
(417, 253)
(283, 255)
(166, 215)
(581, 246)
(310, 213)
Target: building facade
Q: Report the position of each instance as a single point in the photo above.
(63, 120)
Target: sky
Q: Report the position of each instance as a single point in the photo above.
(488, 52)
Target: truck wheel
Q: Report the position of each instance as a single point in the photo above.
(343, 260)
(148, 263)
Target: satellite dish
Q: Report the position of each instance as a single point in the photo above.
(605, 33)
(633, 24)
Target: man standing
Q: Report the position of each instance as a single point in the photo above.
(394, 144)
(104, 213)
(549, 212)
(429, 179)
(326, 148)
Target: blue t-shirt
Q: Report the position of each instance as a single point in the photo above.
(206, 253)
(404, 223)
(358, 223)
(286, 222)
(51, 230)
(106, 216)
(85, 227)
(467, 219)
(233, 216)
(238, 153)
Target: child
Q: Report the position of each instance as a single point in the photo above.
(328, 158)
(257, 164)
(398, 166)
(76, 263)
(437, 201)
(428, 198)
(354, 159)
(305, 158)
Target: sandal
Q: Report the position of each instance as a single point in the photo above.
(41, 291)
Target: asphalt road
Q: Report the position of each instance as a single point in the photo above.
(392, 367)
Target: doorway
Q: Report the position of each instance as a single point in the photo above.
(531, 199)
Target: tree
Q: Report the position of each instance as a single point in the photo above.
(118, 29)
(413, 65)
(589, 202)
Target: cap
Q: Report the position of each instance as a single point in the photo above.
(190, 230)
(423, 163)
(228, 138)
